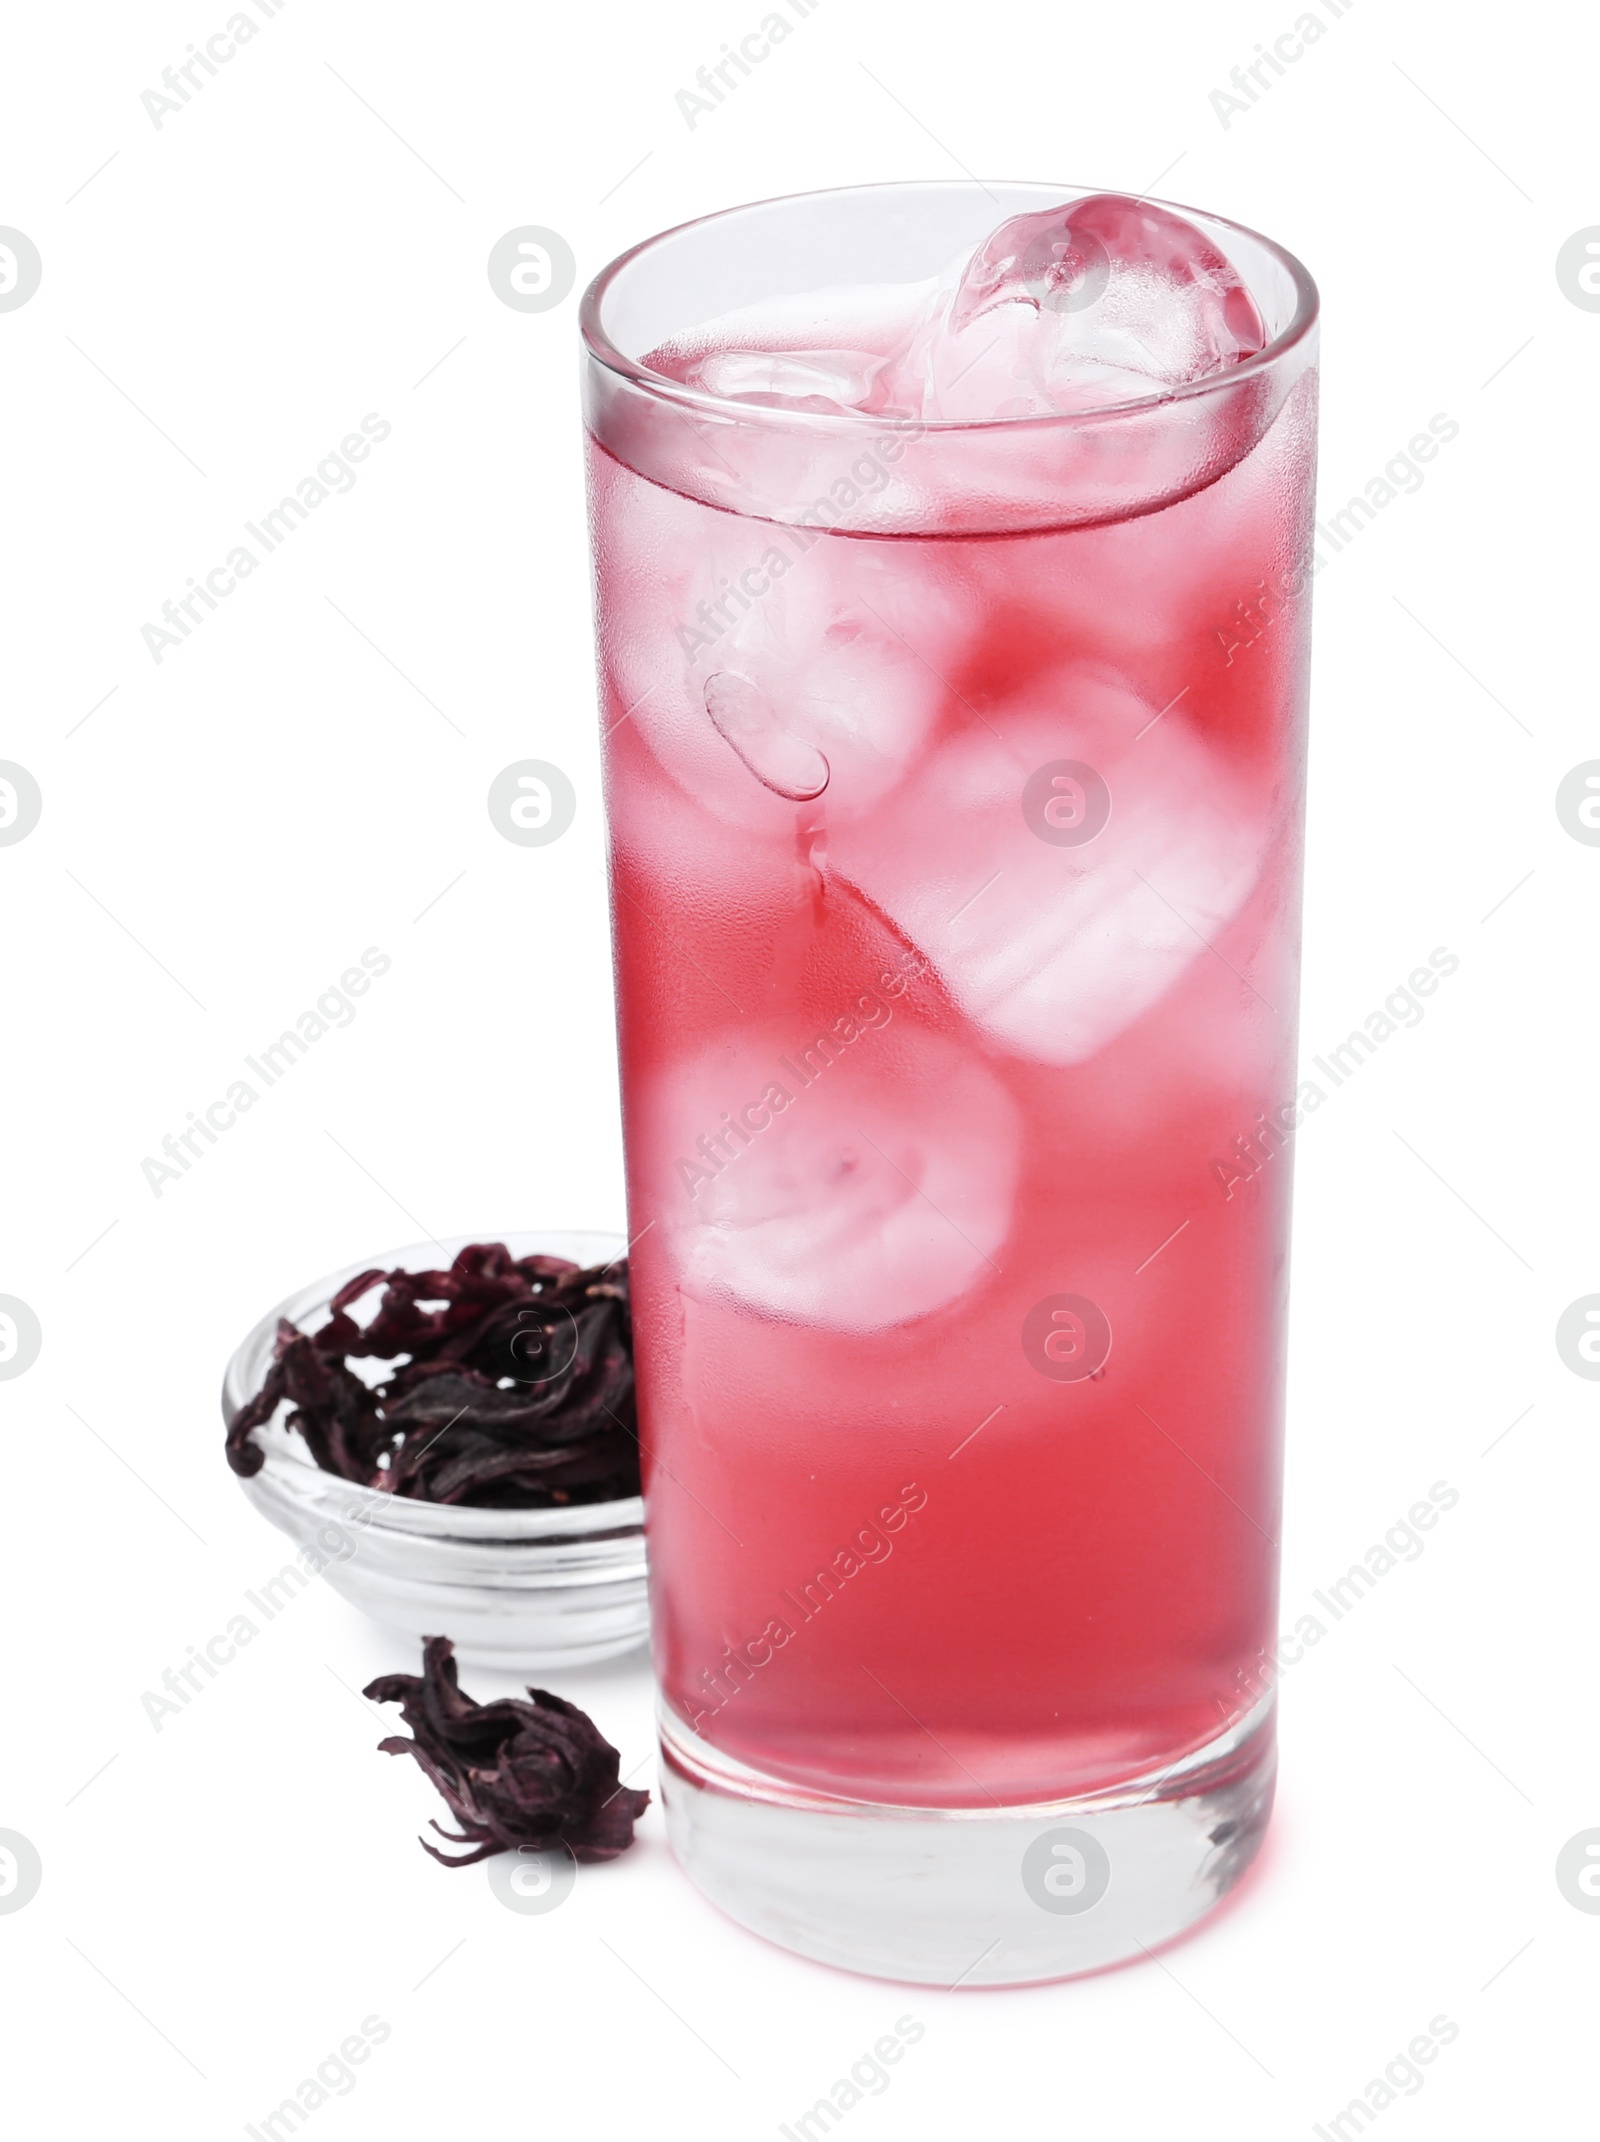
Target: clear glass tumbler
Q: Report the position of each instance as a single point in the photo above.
(954, 778)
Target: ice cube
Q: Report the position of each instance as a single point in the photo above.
(824, 351)
(1106, 299)
(761, 664)
(852, 1183)
(824, 382)
(1080, 310)
(1062, 864)
(745, 718)
(852, 649)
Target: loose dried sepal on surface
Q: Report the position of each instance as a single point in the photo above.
(533, 1774)
(515, 1389)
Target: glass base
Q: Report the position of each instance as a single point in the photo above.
(1002, 1896)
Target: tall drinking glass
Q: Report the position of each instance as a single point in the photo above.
(953, 643)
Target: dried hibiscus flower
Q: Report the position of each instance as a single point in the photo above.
(514, 1388)
(534, 1774)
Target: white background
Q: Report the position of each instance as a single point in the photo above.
(306, 776)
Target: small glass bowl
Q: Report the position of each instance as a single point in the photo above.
(511, 1588)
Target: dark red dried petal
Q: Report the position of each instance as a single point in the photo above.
(512, 1773)
(512, 1389)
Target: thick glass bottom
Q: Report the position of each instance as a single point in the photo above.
(1001, 1896)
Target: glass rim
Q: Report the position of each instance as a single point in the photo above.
(662, 387)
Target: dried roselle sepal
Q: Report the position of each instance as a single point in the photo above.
(512, 1385)
(535, 1774)
(333, 1409)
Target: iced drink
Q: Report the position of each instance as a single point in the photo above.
(952, 561)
